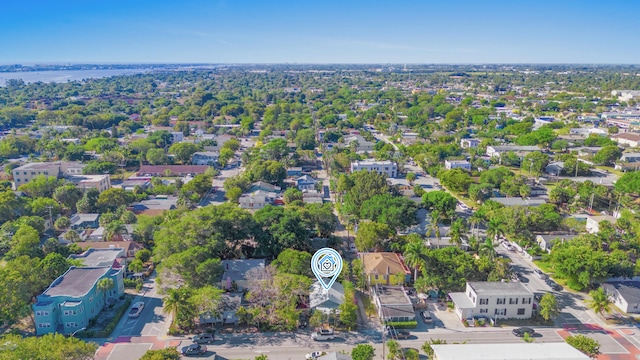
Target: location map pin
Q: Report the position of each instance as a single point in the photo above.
(326, 264)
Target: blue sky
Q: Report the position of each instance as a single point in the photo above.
(320, 31)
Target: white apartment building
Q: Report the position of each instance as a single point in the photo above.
(494, 300)
(469, 143)
(493, 151)
(27, 172)
(386, 167)
(457, 164)
(98, 182)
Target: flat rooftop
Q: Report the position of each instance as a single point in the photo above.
(499, 288)
(515, 351)
(37, 166)
(98, 257)
(76, 282)
(392, 295)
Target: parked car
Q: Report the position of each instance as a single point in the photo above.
(352, 247)
(136, 309)
(323, 335)
(554, 285)
(193, 349)
(519, 332)
(313, 355)
(398, 334)
(540, 274)
(426, 317)
(203, 338)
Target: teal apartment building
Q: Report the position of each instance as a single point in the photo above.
(73, 299)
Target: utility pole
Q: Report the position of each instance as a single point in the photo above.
(50, 214)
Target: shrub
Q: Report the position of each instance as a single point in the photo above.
(110, 326)
(131, 283)
(402, 324)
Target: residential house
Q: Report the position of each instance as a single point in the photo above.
(627, 166)
(388, 168)
(306, 182)
(176, 137)
(209, 158)
(546, 242)
(257, 200)
(457, 164)
(554, 168)
(227, 307)
(111, 257)
(497, 151)
(294, 171)
(323, 300)
(312, 197)
(517, 201)
(84, 221)
(392, 303)
(238, 272)
(171, 170)
(469, 143)
(630, 139)
(495, 300)
(624, 294)
(264, 186)
(126, 235)
(543, 120)
(155, 206)
(362, 145)
(623, 124)
(409, 138)
(130, 248)
(98, 182)
(400, 184)
(511, 351)
(131, 183)
(380, 267)
(630, 157)
(73, 299)
(593, 222)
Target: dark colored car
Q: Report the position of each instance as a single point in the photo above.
(519, 332)
(554, 285)
(193, 349)
(203, 338)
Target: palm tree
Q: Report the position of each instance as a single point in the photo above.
(488, 249)
(113, 231)
(456, 232)
(434, 227)
(495, 228)
(414, 256)
(599, 302)
(177, 303)
(104, 285)
(474, 220)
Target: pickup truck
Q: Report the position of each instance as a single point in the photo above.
(398, 334)
(323, 335)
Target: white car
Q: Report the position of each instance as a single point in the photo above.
(136, 309)
(313, 355)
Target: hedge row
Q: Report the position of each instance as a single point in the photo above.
(403, 324)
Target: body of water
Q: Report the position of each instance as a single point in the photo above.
(58, 76)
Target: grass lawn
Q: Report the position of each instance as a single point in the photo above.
(546, 268)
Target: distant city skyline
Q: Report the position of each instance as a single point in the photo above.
(358, 32)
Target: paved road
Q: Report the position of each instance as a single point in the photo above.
(573, 309)
(151, 322)
(290, 346)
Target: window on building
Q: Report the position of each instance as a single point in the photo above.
(520, 311)
(513, 301)
(526, 301)
(484, 301)
(501, 301)
(473, 299)
(44, 325)
(484, 311)
(500, 312)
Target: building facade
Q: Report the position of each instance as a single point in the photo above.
(388, 168)
(494, 300)
(457, 164)
(73, 299)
